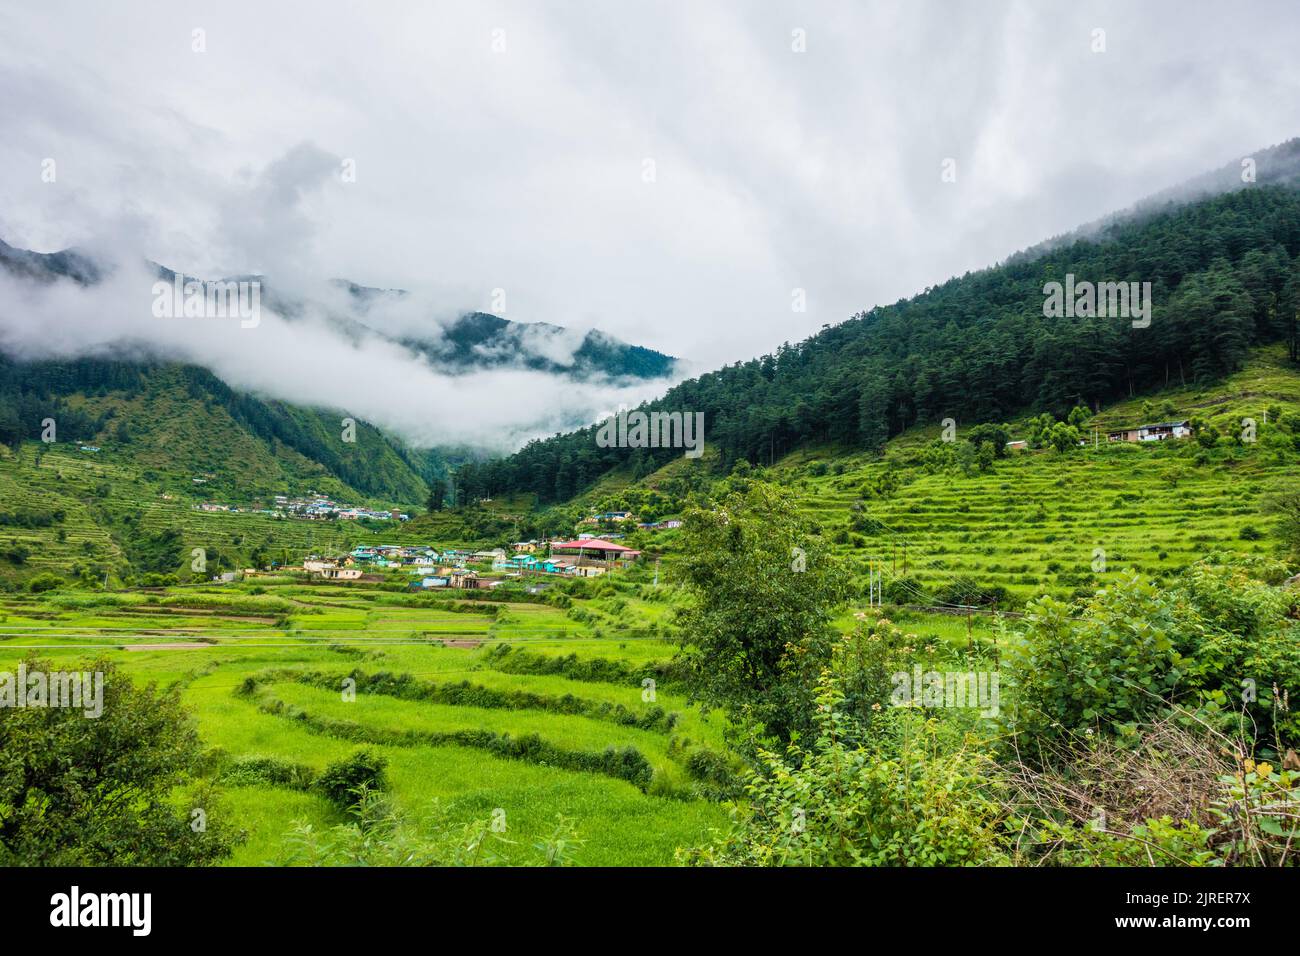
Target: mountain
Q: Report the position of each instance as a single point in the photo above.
(1223, 275)
(181, 420)
(169, 424)
(475, 340)
(1276, 165)
(479, 339)
(48, 266)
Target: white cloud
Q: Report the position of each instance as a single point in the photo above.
(522, 170)
(304, 360)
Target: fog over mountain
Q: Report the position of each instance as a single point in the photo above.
(396, 359)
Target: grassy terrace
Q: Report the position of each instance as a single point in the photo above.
(98, 493)
(1032, 523)
(298, 642)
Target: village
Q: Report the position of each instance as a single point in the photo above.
(1157, 431)
(316, 507)
(584, 556)
(465, 569)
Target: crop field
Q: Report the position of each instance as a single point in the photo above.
(105, 501)
(562, 708)
(555, 725)
(1049, 522)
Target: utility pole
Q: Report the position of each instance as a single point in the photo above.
(875, 581)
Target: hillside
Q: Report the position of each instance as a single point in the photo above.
(1046, 521)
(180, 422)
(475, 340)
(948, 531)
(478, 340)
(1224, 277)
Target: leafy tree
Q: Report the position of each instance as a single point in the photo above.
(437, 492)
(762, 591)
(1079, 416)
(996, 436)
(97, 791)
(1284, 505)
(1062, 437)
(899, 798)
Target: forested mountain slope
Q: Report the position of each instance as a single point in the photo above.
(1223, 276)
(180, 422)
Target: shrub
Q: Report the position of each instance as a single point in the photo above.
(274, 771)
(832, 804)
(1099, 666)
(344, 782)
(45, 581)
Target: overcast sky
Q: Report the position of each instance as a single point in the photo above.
(669, 173)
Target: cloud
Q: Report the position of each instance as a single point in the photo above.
(503, 145)
(305, 359)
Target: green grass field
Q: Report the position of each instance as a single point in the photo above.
(261, 663)
(209, 640)
(1040, 521)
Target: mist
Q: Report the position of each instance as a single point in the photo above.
(324, 356)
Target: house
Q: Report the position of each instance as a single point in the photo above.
(1163, 430)
(462, 578)
(340, 574)
(596, 549)
(436, 581)
(609, 516)
(524, 547)
(1155, 432)
(1019, 444)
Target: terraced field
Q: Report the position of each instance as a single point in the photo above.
(97, 493)
(1046, 521)
(555, 724)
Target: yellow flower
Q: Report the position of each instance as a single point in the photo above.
(1249, 765)
(1264, 769)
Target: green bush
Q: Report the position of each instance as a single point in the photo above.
(45, 581)
(344, 782)
(833, 804)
